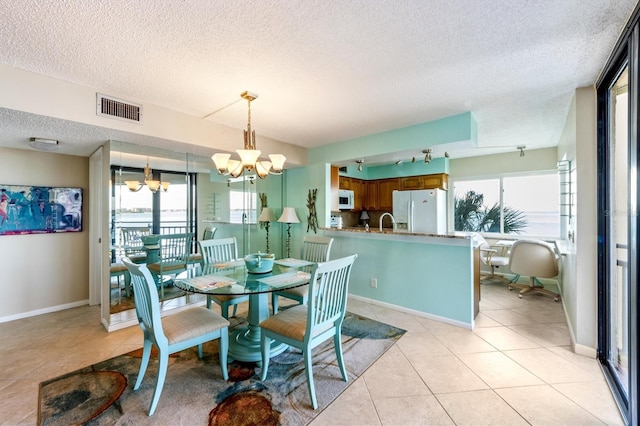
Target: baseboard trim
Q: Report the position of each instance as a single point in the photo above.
(47, 310)
(412, 312)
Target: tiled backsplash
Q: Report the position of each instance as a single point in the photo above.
(351, 219)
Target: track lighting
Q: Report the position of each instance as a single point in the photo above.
(427, 155)
(521, 148)
(359, 164)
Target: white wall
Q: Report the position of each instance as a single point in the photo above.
(578, 144)
(44, 272)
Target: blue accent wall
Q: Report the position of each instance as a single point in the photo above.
(453, 129)
(414, 275)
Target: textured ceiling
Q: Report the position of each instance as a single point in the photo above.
(327, 70)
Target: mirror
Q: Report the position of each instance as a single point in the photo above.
(195, 198)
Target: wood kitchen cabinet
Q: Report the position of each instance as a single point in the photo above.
(436, 181)
(359, 194)
(412, 182)
(385, 193)
(346, 182)
(371, 200)
(335, 184)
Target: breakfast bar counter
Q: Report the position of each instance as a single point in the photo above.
(431, 275)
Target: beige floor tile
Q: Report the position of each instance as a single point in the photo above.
(398, 319)
(553, 334)
(447, 373)
(483, 407)
(411, 411)
(581, 361)
(595, 398)
(18, 401)
(354, 406)
(507, 317)
(550, 367)
(484, 321)
(393, 376)
(420, 344)
(15, 364)
(395, 390)
(498, 370)
(502, 338)
(460, 341)
(544, 313)
(543, 405)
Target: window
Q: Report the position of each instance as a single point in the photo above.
(520, 204)
(242, 207)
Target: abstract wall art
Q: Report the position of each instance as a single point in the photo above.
(39, 209)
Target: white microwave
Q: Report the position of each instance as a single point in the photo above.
(345, 199)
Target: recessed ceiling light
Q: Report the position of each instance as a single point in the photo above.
(42, 144)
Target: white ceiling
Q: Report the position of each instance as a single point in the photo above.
(325, 70)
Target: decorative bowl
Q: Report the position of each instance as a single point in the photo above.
(259, 263)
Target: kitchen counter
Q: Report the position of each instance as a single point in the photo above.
(391, 235)
(430, 275)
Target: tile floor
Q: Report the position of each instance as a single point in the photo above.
(516, 367)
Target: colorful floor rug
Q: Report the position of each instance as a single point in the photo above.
(195, 394)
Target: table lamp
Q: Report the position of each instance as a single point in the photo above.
(364, 217)
(267, 215)
(289, 216)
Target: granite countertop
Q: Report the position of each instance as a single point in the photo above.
(374, 230)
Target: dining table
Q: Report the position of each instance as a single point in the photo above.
(232, 279)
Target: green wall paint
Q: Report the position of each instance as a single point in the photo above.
(413, 275)
(453, 129)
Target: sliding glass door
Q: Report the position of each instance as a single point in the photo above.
(618, 143)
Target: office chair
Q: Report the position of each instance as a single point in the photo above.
(535, 259)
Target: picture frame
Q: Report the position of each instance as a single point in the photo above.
(29, 209)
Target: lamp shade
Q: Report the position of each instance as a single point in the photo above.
(289, 216)
(267, 215)
(364, 215)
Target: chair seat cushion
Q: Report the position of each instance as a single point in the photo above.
(291, 322)
(499, 261)
(117, 267)
(301, 291)
(166, 266)
(191, 323)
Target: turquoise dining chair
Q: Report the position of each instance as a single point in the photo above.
(306, 326)
(314, 249)
(216, 252)
(172, 333)
(173, 252)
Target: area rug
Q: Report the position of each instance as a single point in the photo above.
(195, 394)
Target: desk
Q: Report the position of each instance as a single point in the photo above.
(232, 279)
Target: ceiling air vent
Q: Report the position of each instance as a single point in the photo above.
(108, 106)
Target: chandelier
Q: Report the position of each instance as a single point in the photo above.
(152, 184)
(249, 155)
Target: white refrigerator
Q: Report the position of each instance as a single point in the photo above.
(421, 211)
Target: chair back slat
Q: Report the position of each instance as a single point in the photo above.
(132, 239)
(218, 250)
(316, 249)
(328, 289)
(146, 299)
(175, 247)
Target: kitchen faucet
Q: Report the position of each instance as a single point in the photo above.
(393, 221)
